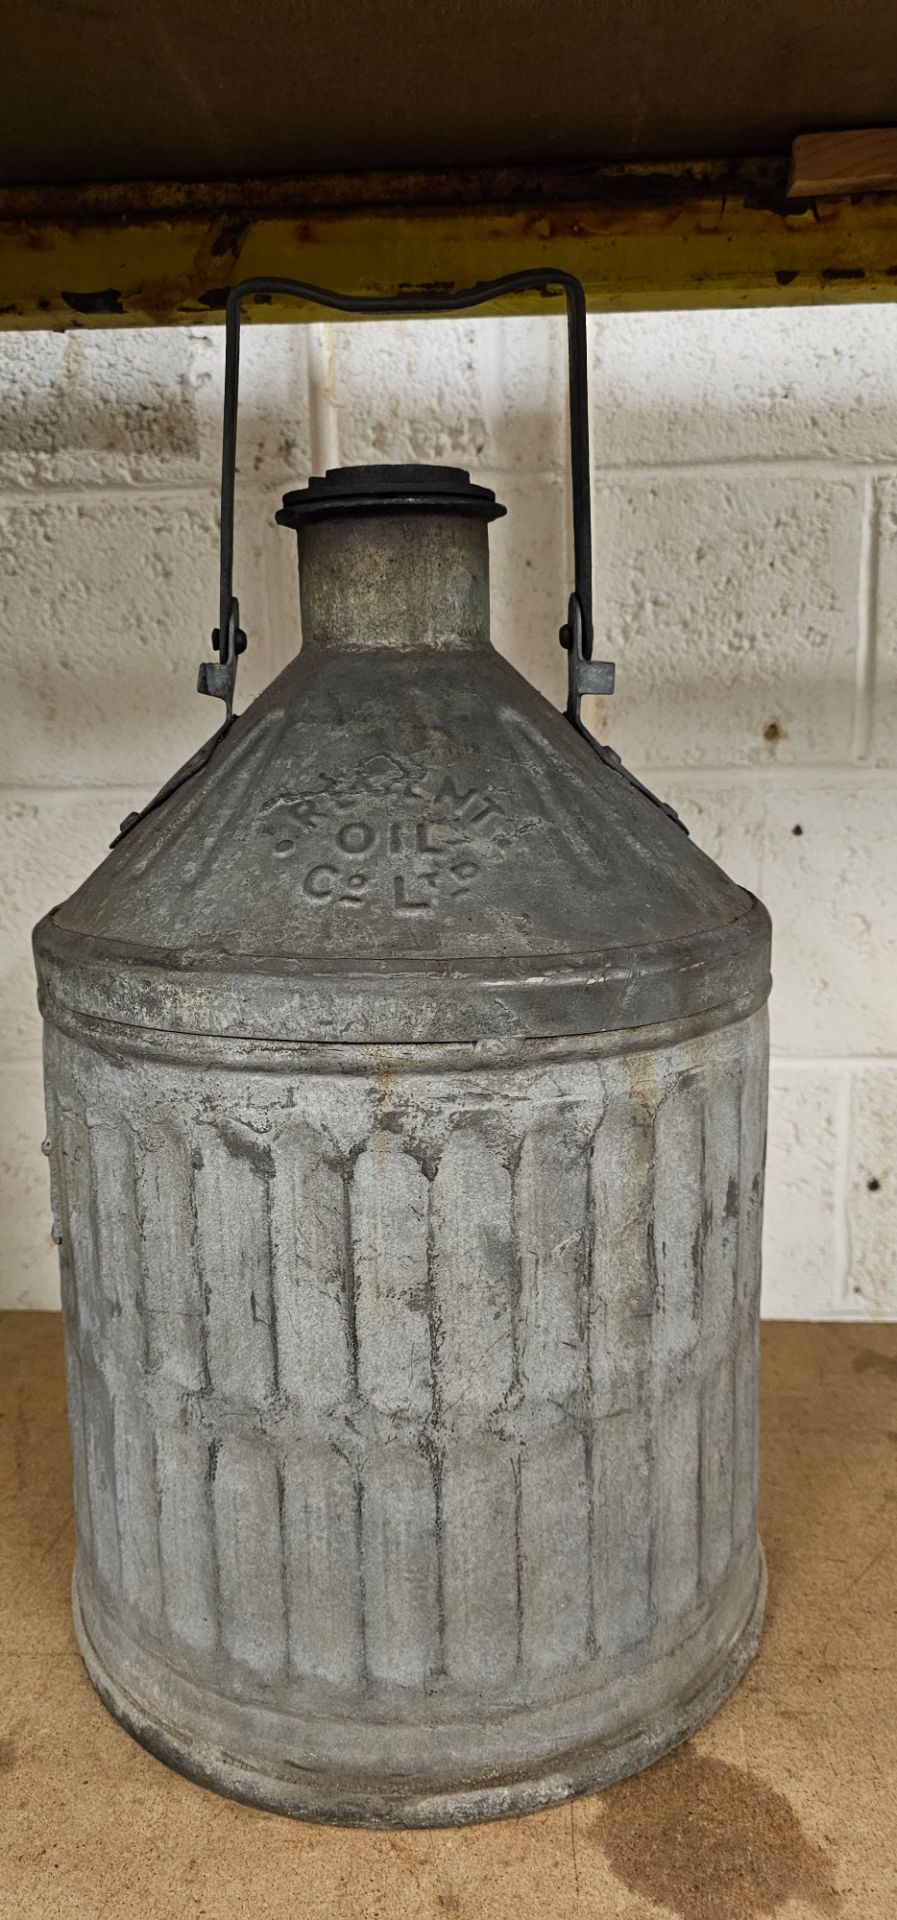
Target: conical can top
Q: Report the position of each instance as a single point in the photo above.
(401, 840)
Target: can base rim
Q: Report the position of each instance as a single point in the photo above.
(325, 1800)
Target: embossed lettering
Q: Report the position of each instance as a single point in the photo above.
(487, 808)
(414, 854)
(309, 812)
(402, 902)
(423, 840)
(465, 871)
(447, 791)
(356, 836)
(489, 812)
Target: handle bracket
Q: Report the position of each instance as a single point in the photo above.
(584, 674)
(218, 677)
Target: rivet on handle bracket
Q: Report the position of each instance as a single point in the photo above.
(218, 677)
(584, 675)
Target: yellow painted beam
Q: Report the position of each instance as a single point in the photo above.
(702, 235)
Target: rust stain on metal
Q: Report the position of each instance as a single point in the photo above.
(230, 237)
(105, 300)
(761, 182)
(703, 233)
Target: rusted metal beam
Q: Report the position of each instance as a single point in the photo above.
(673, 235)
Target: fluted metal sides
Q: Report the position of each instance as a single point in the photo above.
(413, 1416)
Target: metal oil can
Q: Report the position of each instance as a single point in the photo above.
(406, 1074)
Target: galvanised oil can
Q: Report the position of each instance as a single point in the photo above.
(406, 1076)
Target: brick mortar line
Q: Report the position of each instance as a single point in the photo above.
(45, 491)
(866, 651)
(48, 495)
(832, 1317)
(835, 467)
(842, 1261)
(841, 772)
(125, 788)
(252, 485)
(833, 1062)
(323, 408)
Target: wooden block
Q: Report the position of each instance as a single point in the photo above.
(864, 161)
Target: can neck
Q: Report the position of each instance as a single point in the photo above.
(398, 581)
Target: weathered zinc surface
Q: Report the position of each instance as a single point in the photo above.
(414, 1413)
(406, 1085)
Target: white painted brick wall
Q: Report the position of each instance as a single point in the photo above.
(746, 525)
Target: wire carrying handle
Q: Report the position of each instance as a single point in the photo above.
(218, 677)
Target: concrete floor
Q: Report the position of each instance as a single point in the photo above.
(785, 1805)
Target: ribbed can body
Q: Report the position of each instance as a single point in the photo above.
(413, 1400)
